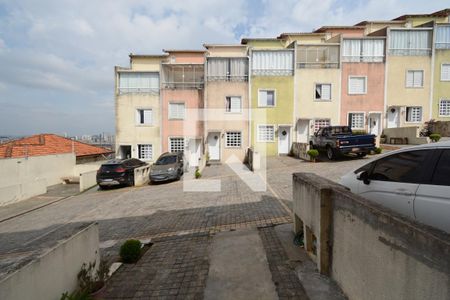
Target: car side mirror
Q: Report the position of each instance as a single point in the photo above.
(364, 177)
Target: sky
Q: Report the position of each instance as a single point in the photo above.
(57, 57)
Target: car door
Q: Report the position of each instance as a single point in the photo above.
(394, 180)
(432, 202)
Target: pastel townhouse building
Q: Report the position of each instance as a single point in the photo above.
(441, 82)
(182, 92)
(137, 108)
(408, 76)
(226, 102)
(271, 95)
(316, 82)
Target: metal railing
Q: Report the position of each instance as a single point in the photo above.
(363, 58)
(182, 85)
(227, 78)
(317, 65)
(128, 90)
(273, 72)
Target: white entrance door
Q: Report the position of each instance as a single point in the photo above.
(303, 131)
(393, 117)
(194, 152)
(283, 140)
(374, 124)
(214, 145)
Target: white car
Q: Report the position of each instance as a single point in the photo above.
(414, 181)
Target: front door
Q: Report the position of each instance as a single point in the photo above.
(194, 152)
(303, 131)
(125, 151)
(214, 145)
(374, 124)
(393, 117)
(283, 139)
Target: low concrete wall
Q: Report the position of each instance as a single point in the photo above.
(92, 166)
(88, 180)
(53, 273)
(253, 159)
(22, 178)
(299, 150)
(141, 175)
(412, 133)
(371, 252)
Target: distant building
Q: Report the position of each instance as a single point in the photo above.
(48, 144)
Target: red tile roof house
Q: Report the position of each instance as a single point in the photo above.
(47, 144)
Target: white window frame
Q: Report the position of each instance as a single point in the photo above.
(231, 110)
(406, 114)
(321, 99)
(364, 119)
(448, 108)
(413, 86)
(173, 138)
(274, 97)
(231, 132)
(137, 116)
(257, 133)
(169, 111)
(365, 84)
(139, 151)
(448, 64)
(321, 119)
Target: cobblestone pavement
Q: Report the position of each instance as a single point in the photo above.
(174, 219)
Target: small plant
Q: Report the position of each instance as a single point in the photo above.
(435, 137)
(76, 295)
(197, 174)
(207, 156)
(313, 153)
(377, 150)
(130, 251)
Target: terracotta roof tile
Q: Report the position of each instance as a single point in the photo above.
(46, 144)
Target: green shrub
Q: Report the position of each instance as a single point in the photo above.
(435, 137)
(197, 174)
(130, 251)
(313, 153)
(77, 295)
(377, 150)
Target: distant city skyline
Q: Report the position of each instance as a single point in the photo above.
(58, 57)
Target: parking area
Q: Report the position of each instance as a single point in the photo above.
(181, 224)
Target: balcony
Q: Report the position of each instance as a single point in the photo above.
(318, 57)
(227, 69)
(410, 42)
(138, 82)
(443, 37)
(186, 76)
(363, 50)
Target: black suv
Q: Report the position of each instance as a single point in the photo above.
(118, 172)
(169, 166)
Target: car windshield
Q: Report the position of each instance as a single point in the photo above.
(105, 168)
(341, 130)
(166, 160)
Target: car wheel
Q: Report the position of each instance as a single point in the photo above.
(361, 155)
(103, 187)
(330, 153)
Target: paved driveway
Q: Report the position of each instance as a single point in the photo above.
(170, 216)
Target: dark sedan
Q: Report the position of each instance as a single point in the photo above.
(118, 172)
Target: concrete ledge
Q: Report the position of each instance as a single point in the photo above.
(55, 271)
(141, 175)
(88, 180)
(370, 251)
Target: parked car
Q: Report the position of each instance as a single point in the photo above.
(414, 182)
(338, 140)
(118, 172)
(169, 166)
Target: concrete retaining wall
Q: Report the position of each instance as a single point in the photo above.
(441, 127)
(253, 159)
(22, 178)
(141, 175)
(299, 150)
(88, 180)
(412, 133)
(55, 272)
(371, 252)
(92, 166)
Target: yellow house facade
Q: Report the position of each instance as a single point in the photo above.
(138, 113)
(441, 84)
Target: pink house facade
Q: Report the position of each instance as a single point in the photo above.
(182, 90)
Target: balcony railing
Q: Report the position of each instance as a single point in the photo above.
(317, 65)
(272, 72)
(318, 57)
(227, 78)
(363, 58)
(182, 85)
(138, 90)
(410, 51)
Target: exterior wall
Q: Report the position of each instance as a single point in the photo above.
(48, 276)
(193, 100)
(22, 178)
(221, 121)
(306, 105)
(371, 252)
(281, 114)
(148, 64)
(441, 89)
(227, 51)
(373, 100)
(422, 20)
(267, 44)
(187, 58)
(399, 95)
(130, 133)
(372, 27)
(348, 32)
